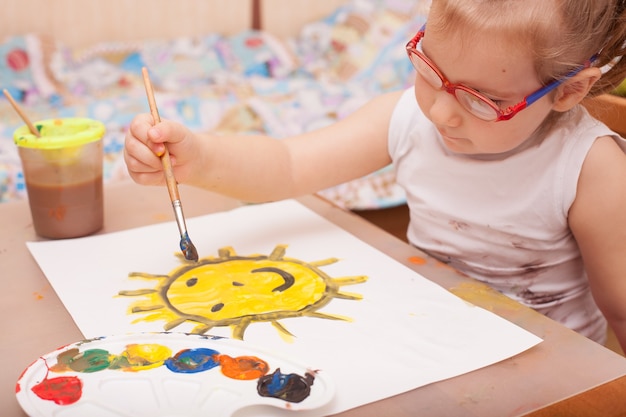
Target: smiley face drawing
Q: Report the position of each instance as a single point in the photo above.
(235, 291)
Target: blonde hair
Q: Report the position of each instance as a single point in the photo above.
(559, 34)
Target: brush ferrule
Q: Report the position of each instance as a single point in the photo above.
(180, 218)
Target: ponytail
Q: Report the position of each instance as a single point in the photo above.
(611, 57)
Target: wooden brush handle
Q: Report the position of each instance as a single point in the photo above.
(21, 113)
(170, 180)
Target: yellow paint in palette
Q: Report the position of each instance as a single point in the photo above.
(139, 357)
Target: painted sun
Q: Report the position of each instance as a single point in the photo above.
(236, 291)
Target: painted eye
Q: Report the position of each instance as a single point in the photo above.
(237, 284)
(191, 282)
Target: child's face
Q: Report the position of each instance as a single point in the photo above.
(495, 67)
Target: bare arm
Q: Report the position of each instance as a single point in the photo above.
(598, 220)
(259, 168)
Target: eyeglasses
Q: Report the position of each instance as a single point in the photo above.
(474, 102)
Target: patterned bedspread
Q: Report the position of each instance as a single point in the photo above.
(247, 82)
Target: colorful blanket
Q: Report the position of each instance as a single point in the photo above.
(248, 82)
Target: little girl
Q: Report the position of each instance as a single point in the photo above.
(507, 177)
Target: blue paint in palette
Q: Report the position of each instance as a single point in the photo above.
(189, 361)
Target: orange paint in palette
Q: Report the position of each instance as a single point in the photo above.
(71, 375)
(244, 367)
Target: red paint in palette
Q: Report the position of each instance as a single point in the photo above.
(63, 390)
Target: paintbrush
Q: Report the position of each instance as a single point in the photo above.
(188, 249)
(19, 111)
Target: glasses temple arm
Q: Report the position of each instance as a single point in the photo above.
(531, 98)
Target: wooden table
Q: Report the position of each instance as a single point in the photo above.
(565, 375)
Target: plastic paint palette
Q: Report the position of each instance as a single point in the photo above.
(166, 374)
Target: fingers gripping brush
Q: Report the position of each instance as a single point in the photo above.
(188, 249)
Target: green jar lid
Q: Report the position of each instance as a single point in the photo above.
(60, 133)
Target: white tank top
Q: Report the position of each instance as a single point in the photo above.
(502, 221)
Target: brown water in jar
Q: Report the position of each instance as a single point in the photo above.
(65, 211)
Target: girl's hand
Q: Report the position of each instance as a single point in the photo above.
(145, 144)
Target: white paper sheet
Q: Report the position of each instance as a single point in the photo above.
(405, 331)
